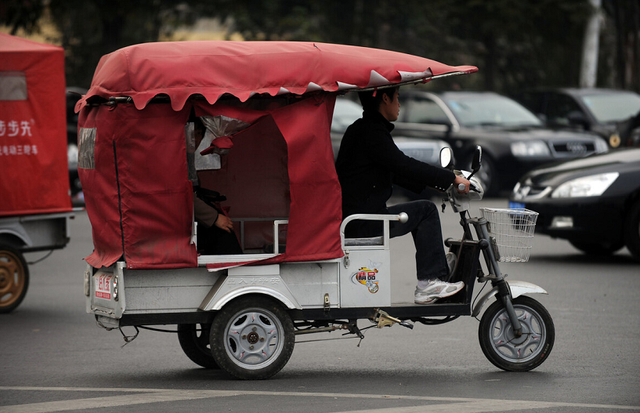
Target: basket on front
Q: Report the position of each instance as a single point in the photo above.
(512, 230)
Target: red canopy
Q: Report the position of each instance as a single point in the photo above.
(34, 175)
(134, 172)
(242, 69)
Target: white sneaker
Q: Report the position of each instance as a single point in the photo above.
(436, 289)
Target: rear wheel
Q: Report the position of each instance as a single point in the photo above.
(194, 340)
(14, 278)
(252, 337)
(508, 352)
(632, 231)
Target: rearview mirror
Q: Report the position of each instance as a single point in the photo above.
(446, 158)
(477, 160)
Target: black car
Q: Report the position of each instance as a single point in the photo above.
(513, 139)
(594, 202)
(612, 114)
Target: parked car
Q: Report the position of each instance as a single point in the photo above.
(73, 95)
(513, 139)
(606, 112)
(594, 202)
(425, 150)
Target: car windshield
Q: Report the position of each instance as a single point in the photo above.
(612, 107)
(490, 110)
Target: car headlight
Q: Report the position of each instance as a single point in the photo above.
(529, 148)
(593, 185)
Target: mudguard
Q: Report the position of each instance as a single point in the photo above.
(518, 288)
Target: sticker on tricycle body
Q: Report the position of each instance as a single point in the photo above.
(103, 286)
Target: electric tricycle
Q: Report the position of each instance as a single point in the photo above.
(35, 206)
(266, 162)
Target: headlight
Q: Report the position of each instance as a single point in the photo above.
(593, 185)
(529, 148)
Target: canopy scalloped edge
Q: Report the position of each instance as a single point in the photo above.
(181, 70)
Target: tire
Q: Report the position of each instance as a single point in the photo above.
(194, 340)
(252, 338)
(14, 278)
(632, 231)
(487, 176)
(509, 353)
(595, 248)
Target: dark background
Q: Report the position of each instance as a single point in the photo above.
(516, 44)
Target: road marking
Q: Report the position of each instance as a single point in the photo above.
(145, 396)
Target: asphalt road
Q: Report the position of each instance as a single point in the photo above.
(53, 357)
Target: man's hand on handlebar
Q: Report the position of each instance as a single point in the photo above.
(461, 184)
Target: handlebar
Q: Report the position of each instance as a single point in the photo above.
(472, 187)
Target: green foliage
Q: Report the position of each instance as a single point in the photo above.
(21, 14)
(516, 44)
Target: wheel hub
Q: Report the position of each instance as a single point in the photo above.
(253, 337)
(4, 277)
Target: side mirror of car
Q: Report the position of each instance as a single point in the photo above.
(446, 158)
(578, 118)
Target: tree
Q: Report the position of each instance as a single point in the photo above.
(21, 14)
(623, 35)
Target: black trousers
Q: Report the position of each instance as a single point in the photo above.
(424, 225)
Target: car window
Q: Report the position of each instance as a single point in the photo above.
(613, 107)
(344, 114)
(423, 110)
(487, 110)
(533, 101)
(559, 107)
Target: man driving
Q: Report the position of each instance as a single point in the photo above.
(368, 164)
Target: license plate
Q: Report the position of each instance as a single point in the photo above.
(515, 205)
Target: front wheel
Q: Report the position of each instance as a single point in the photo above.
(252, 338)
(508, 352)
(14, 278)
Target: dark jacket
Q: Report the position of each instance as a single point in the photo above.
(368, 165)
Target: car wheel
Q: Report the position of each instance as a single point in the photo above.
(597, 248)
(632, 231)
(487, 175)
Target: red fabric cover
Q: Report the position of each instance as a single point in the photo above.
(315, 211)
(141, 156)
(213, 68)
(34, 174)
(139, 199)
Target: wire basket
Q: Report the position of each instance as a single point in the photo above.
(512, 230)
